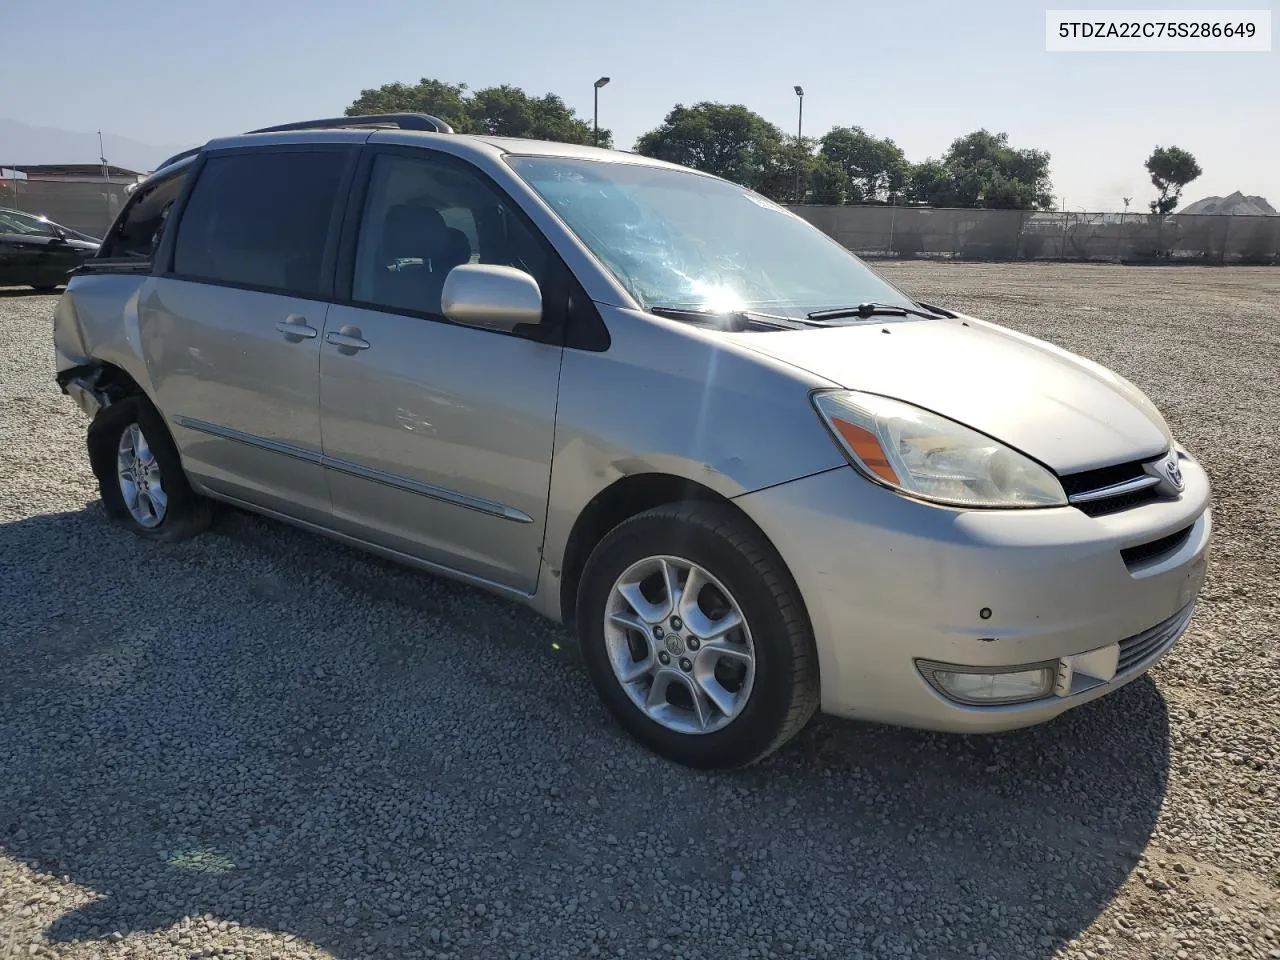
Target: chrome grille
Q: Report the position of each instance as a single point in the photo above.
(1143, 648)
(1111, 489)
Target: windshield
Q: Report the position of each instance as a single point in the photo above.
(681, 240)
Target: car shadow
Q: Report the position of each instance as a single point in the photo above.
(267, 728)
(28, 292)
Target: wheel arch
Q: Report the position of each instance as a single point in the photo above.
(621, 500)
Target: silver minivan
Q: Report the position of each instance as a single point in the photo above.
(756, 479)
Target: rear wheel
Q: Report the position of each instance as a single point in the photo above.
(695, 638)
(140, 475)
(44, 287)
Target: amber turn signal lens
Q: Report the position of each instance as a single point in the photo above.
(867, 448)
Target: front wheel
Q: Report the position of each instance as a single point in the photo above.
(140, 475)
(695, 637)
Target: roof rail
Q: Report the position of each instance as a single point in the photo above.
(403, 121)
(178, 156)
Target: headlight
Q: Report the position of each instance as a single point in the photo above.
(931, 457)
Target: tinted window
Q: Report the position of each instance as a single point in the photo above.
(260, 219)
(21, 223)
(422, 218)
(137, 234)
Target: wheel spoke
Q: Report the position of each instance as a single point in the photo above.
(658, 690)
(630, 621)
(628, 669)
(142, 449)
(711, 653)
(649, 612)
(159, 499)
(701, 708)
(687, 604)
(706, 629)
(129, 491)
(671, 585)
(634, 670)
(724, 701)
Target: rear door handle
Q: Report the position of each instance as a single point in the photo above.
(347, 339)
(295, 328)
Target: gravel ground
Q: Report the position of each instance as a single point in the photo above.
(258, 743)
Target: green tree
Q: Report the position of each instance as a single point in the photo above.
(875, 168)
(727, 140)
(981, 170)
(1171, 169)
(503, 111)
(508, 111)
(931, 182)
(827, 182)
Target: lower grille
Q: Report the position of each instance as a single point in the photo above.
(1142, 648)
(1143, 552)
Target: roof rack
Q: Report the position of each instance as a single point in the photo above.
(401, 121)
(404, 121)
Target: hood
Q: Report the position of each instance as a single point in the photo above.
(1067, 412)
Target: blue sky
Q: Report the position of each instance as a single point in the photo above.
(921, 72)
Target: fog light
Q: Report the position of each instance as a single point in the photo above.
(991, 685)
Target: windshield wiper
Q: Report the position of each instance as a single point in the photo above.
(865, 310)
(734, 321)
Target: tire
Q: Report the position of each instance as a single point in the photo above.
(773, 698)
(184, 513)
(45, 287)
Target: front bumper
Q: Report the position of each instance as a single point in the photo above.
(889, 581)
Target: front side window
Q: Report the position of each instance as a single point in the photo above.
(260, 220)
(423, 216)
(137, 235)
(681, 240)
(26, 225)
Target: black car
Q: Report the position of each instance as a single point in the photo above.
(36, 252)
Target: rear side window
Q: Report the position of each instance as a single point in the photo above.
(260, 220)
(137, 234)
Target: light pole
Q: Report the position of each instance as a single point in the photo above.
(799, 138)
(595, 113)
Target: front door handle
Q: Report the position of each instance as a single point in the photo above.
(347, 339)
(295, 328)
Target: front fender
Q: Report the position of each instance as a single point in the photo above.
(669, 398)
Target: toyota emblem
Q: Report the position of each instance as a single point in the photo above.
(1173, 471)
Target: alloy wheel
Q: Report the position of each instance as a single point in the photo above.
(139, 476)
(679, 645)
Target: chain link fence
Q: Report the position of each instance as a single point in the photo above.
(883, 231)
(88, 206)
(1031, 235)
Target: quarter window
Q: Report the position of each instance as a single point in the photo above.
(425, 216)
(138, 233)
(260, 220)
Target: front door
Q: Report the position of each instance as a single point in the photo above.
(437, 436)
(232, 335)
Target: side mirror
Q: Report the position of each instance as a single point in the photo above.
(491, 297)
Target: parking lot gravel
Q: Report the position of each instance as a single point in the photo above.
(261, 744)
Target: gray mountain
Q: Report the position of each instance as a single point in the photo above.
(22, 143)
(1237, 204)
